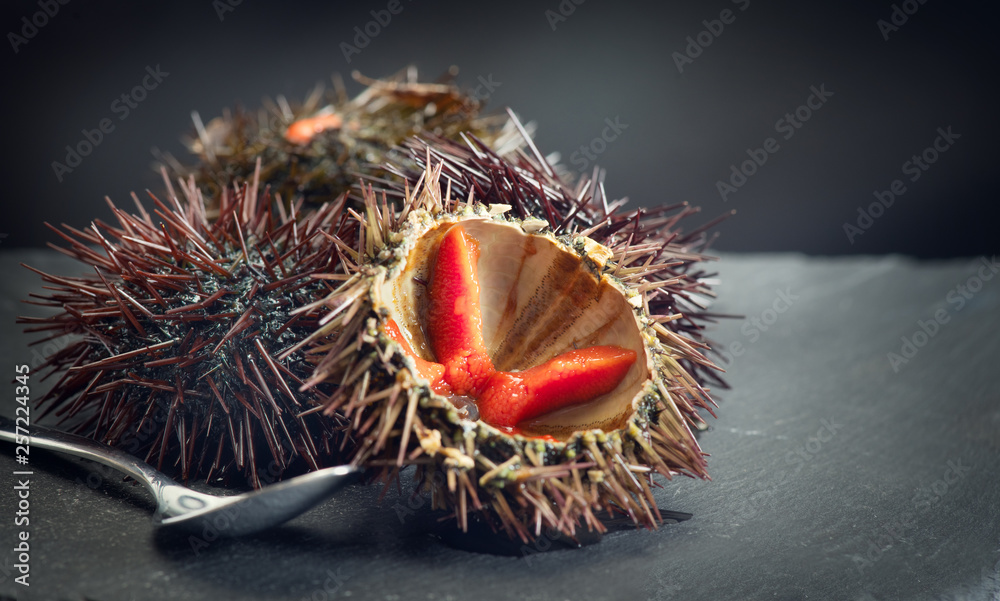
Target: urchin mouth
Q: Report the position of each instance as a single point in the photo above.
(551, 328)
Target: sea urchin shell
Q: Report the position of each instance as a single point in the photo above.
(318, 149)
(541, 298)
(173, 341)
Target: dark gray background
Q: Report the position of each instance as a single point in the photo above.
(606, 60)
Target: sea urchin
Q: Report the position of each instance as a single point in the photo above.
(523, 339)
(174, 339)
(319, 148)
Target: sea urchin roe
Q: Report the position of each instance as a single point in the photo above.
(304, 130)
(571, 378)
(428, 370)
(464, 368)
(454, 320)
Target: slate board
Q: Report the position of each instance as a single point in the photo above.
(834, 475)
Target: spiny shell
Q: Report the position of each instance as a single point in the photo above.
(169, 347)
(603, 457)
(320, 169)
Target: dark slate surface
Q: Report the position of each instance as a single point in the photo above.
(834, 475)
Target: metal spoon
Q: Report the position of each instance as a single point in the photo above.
(180, 508)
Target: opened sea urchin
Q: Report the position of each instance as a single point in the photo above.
(318, 149)
(174, 336)
(522, 338)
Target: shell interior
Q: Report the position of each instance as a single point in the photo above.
(539, 298)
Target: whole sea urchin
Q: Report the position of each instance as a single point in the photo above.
(318, 149)
(539, 359)
(174, 340)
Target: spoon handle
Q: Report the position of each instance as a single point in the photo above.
(64, 442)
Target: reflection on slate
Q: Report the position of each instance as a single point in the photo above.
(838, 472)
